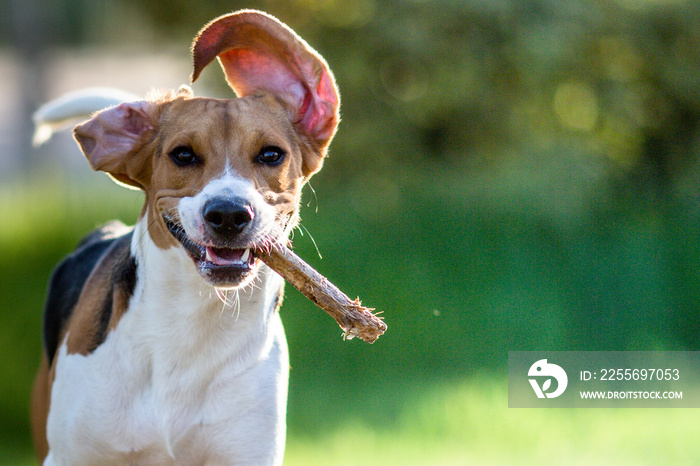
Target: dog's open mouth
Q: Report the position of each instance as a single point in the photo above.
(225, 257)
(220, 266)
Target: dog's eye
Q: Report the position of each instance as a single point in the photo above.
(270, 155)
(184, 156)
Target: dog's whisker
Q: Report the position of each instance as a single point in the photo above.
(238, 305)
(233, 302)
(221, 294)
(313, 191)
(301, 229)
(253, 286)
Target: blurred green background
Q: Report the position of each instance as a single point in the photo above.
(508, 175)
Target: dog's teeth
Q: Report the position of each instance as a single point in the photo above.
(245, 256)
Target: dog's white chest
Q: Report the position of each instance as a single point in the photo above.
(212, 392)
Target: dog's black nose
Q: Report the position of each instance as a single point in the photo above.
(227, 218)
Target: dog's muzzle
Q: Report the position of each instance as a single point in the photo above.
(225, 257)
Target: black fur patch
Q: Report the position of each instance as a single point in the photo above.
(72, 273)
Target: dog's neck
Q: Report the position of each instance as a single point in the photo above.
(189, 322)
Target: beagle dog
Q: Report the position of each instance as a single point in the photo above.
(163, 343)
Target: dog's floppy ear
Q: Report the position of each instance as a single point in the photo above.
(260, 54)
(111, 140)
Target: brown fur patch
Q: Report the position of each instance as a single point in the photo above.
(41, 401)
(104, 299)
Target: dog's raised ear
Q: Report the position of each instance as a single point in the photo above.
(112, 138)
(259, 53)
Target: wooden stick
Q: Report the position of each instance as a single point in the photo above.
(355, 319)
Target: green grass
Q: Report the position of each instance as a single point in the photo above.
(468, 422)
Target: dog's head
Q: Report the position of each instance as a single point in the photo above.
(223, 177)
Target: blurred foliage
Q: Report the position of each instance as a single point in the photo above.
(608, 89)
(508, 175)
(609, 86)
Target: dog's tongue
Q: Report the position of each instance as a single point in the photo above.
(226, 256)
